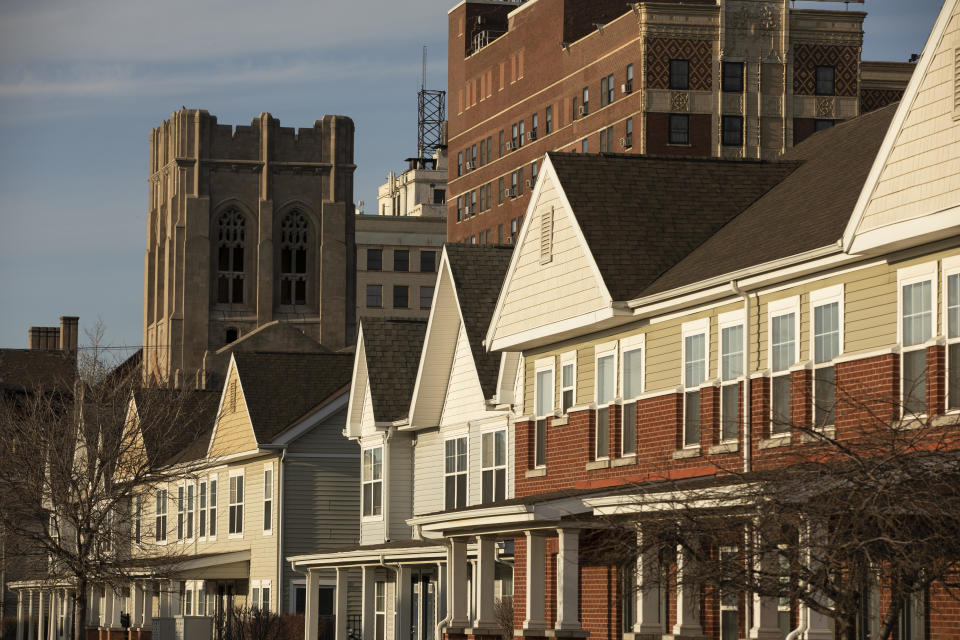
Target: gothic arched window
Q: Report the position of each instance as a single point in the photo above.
(293, 259)
(230, 239)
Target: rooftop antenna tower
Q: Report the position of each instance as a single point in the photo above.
(431, 114)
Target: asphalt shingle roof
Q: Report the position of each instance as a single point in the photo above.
(279, 388)
(392, 348)
(641, 215)
(478, 274)
(27, 370)
(807, 210)
(176, 425)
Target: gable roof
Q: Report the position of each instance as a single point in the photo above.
(179, 431)
(29, 370)
(808, 210)
(640, 215)
(279, 388)
(392, 347)
(478, 274)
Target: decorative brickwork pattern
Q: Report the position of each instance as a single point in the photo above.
(806, 57)
(873, 99)
(661, 50)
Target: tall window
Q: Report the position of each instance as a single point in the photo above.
(521, 133)
(375, 296)
(680, 75)
(401, 296)
(426, 296)
(632, 387)
(202, 509)
(493, 462)
(459, 163)
(428, 261)
(235, 526)
(268, 499)
(373, 481)
(784, 317)
(534, 125)
(729, 618)
(230, 241)
(213, 506)
(679, 128)
(628, 130)
(380, 610)
(731, 370)
(733, 76)
(825, 77)
(293, 259)
(953, 339)
(606, 384)
(501, 144)
(733, 131)
(160, 525)
(459, 208)
(374, 259)
(827, 314)
(455, 473)
(191, 513)
(568, 380)
(401, 260)
(543, 409)
(138, 517)
(260, 595)
(694, 374)
(548, 120)
(916, 318)
(610, 89)
(586, 101)
(181, 512)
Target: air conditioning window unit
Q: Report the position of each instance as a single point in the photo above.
(471, 210)
(471, 166)
(582, 110)
(509, 193)
(627, 142)
(532, 135)
(626, 88)
(529, 183)
(511, 145)
(509, 240)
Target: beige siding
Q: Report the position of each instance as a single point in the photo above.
(234, 432)
(464, 398)
(367, 420)
(398, 488)
(922, 173)
(566, 287)
(428, 461)
(437, 361)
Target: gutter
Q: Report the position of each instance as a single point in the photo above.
(280, 515)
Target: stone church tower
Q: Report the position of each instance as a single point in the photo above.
(250, 239)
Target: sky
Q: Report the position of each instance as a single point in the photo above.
(82, 82)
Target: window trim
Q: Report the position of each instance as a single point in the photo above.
(723, 75)
(378, 517)
(629, 345)
(605, 350)
(687, 330)
(723, 130)
(950, 266)
(212, 526)
(775, 309)
(670, 74)
(268, 470)
(492, 433)
(905, 277)
(568, 359)
(833, 81)
(539, 366)
(686, 117)
(453, 436)
(260, 585)
(820, 298)
(729, 320)
(230, 505)
(161, 519)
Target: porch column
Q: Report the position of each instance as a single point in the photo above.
(20, 612)
(148, 605)
(819, 626)
(401, 614)
(68, 601)
(41, 609)
(441, 591)
(116, 605)
(568, 579)
(340, 604)
(52, 620)
(647, 584)
(688, 595)
(175, 597)
(457, 583)
(368, 611)
(535, 579)
(311, 621)
(484, 577)
(766, 624)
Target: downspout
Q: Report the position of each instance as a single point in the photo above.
(441, 624)
(396, 591)
(280, 515)
(747, 396)
(802, 624)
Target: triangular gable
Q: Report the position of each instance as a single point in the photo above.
(436, 361)
(233, 431)
(463, 399)
(553, 284)
(359, 389)
(133, 450)
(912, 195)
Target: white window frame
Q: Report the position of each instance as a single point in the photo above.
(731, 320)
(160, 520)
(540, 366)
(372, 517)
(604, 350)
(820, 298)
(687, 330)
(237, 473)
(213, 487)
(629, 345)
(181, 511)
(776, 309)
(203, 492)
(195, 592)
(568, 359)
(268, 497)
(907, 276)
(453, 437)
(379, 607)
(492, 433)
(191, 510)
(950, 268)
(257, 601)
(295, 583)
(722, 606)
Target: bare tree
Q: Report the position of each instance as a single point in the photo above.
(78, 459)
(872, 503)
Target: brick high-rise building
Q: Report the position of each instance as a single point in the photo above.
(725, 78)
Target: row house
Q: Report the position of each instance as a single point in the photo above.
(681, 321)
(269, 474)
(430, 409)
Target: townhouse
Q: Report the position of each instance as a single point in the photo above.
(260, 470)
(430, 409)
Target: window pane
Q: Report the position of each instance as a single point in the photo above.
(487, 486)
(917, 313)
(691, 421)
(632, 373)
(732, 350)
(823, 396)
(953, 382)
(544, 392)
(500, 482)
(377, 495)
(568, 375)
(729, 398)
(567, 400)
(915, 381)
(784, 345)
(729, 624)
(603, 432)
(450, 499)
(953, 306)
(826, 332)
(500, 448)
(629, 428)
(540, 457)
(781, 404)
(605, 379)
(486, 455)
(695, 370)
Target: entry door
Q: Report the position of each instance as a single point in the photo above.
(422, 608)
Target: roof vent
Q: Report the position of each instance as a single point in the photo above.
(546, 236)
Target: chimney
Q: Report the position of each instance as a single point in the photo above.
(33, 339)
(69, 326)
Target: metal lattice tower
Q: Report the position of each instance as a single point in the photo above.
(431, 114)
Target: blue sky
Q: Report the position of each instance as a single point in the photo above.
(82, 82)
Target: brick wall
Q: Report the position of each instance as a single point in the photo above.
(658, 136)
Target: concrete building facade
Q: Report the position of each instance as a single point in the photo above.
(247, 226)
(721, 78)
